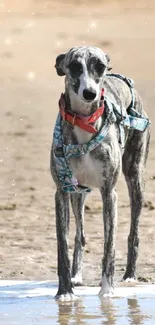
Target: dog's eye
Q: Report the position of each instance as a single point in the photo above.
(99, 67)
(75, 67)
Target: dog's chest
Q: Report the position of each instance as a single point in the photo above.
(87, 170)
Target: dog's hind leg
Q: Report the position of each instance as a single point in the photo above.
(77, 200)
(134, 160)
(62, 220)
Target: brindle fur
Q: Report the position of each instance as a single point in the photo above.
(100, 168)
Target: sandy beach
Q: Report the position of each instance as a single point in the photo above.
(31, 37)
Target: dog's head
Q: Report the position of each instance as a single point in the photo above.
(84, 68)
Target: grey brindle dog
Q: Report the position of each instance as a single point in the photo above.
(85, 70)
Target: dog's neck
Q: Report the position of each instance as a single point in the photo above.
(74, 104)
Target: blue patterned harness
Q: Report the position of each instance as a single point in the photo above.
(63, 153)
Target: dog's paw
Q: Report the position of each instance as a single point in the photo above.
(66, 297)
(129, 277)
(106, 290)
(77, 280)
(131, 280)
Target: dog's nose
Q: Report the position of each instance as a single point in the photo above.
(89, 94)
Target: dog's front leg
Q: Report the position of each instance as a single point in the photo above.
(62, 217)
(109, 198)
(77, 200)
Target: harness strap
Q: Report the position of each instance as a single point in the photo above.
(63, 153)
(66, 180)
(129, 82)
(133, 120)
(81, 149)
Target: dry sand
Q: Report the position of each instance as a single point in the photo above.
(31, 37)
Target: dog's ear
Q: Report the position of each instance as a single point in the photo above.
(59, 64)
(108, 61)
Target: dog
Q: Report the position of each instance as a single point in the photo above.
(83, 113)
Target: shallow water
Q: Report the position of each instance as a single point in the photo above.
(28, 303)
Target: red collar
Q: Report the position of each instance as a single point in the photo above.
(83, 122)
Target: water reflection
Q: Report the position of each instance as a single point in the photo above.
(95, 311)
(135, 313)
(71, 313)
(108, 311)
